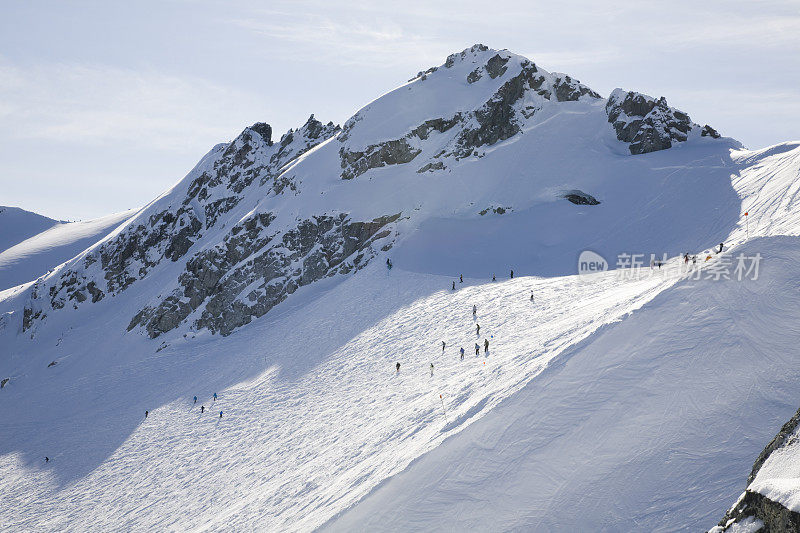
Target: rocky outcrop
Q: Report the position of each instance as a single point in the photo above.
(581, 198)
(256, 268)
(394, 152)
(170, 231)
(648, 124)
(775, 517)
(497, 119)
(708, 131)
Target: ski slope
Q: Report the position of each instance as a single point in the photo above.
(653, 423)
(61, 241)
(310, 424)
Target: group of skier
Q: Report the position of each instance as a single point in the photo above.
(460, 276)
(461, 349)
(203, 407)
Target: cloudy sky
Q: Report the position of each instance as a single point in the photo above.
(105, 104)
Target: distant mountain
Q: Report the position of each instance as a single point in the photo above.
(58, 242)
(16, 225)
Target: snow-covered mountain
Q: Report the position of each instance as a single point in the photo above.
(262, 276)
(58, 242)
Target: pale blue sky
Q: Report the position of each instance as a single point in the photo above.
(105, 104)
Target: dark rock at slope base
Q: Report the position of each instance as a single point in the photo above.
(775, 516)
(581, 198)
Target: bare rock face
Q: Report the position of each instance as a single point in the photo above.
(253, 270)
(498, 119)
(648, 124)
(171, 232)
(581, 198)
(394, 152)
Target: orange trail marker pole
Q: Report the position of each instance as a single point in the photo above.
(443, 409)
(747, 224)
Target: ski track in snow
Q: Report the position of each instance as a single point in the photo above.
(288, 454)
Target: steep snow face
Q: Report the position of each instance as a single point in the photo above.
(16, 225)
(34, 256)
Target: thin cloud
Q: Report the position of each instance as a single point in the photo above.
(98, 105)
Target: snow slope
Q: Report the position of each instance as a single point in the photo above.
(260, 276)
(16, 225)
(651, 423)
(61, 241)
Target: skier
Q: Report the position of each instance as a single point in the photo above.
(202, 409)
(220, 414)
(494, 278)
(485, 345)
(195, 399)
(477, 329)
(461, 278)
(474, 310)
(720, 247)
(531, 296)
(431, 369)
(685, 259)
(477, 349)
(462, 353)
(46, 459)
(146, 413)
(512, 274)
(454, 285)
(443, 345)
(215, 396)
(388, 264)
(694, 259)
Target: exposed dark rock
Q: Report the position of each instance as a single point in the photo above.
(474, 49)
(430, 167)
(581, 198)
(649, 125)
(438, 124)
(250, 272)
(265, 130)
(475, 75)
(776, 517)
(393, 152)
(495, 210)
(3, 383)
(708, 131)
(496, 66)
(52, 363)
(779, 440)
(568, 89)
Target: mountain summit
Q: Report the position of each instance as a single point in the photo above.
(256, 219)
